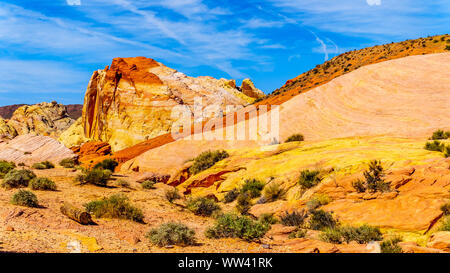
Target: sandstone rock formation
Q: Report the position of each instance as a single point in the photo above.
(74, 135)
(74, 110)
(6, 130)
(30, 149)
(249, 89)
(47, 119)
(132, 100)
(373, 100)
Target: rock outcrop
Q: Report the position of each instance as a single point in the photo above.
(30, 149)
(74, 110)
(47, 119)
(249, 89)
(74, 135)
(132, 101)
(6, 130)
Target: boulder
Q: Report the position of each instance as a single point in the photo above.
(440, 240)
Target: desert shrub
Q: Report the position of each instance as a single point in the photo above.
(6, 167)
(43, 184)
(295, 137)
(446, 209)
(447, 47)
(17, 178)
(331, 235)
(267, 218)
(148, 184)
(25, 198)
(298, 233)
(231, 196)
(206, 160)
(172, 195)
(273, 192)
(68, 163)
(115, 206)
(252, 187)
(107, 164)
(122, 183)
(320, 219)
(98, 177)
(202, 206)
(317, 201)
(362, 235)
(244, 203)
(445, 225)
(294, 218)
(440, 134)
(171, 234)
(43, 165)
(391, 245)
(374, 179)
(234, 226)
(359, 186)
(446, 151)
(309, 179)
(435, 146)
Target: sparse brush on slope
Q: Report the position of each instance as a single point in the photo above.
(295, 137)
(206, 160)
(294, 218)
(43, 184)
(234, 226)
(440, 134)
(115, 206)
(253, 187)
(43, 165)
(68, 163)
(391, 245)
(5, 167)
(202, 206)
(98, 177)
(172, 195)
(107, 164)
(25, 198)
(17, 178)
(374, 179)
(309, 179)
(171, 234)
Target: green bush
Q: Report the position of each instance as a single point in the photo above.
(172, 195)
(17, 178)
(320, 219)
(231, 196)
(148, 184)
(273, 192)
(107, 164)
(244, 203)
(439, 134)
(252, 187)
(206, 160)
(435, 146)
(43, 165)
(25, 198)
(294, 218)
(202, 206)
(98, 177)
(267, 218)
(362, 235)
(317, 201)
(234, 226)
(331, 235)
(309, 179)
(391, 246)
(446, 209)
(6, 167)
(295, 137)
(171, 234)
(122, 183)
(298, 233)
(116, 206)
(43, 184)
(374, 179)
(447, 47)
(445, 226)
(68, 163)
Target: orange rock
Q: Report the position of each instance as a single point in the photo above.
(440, 240)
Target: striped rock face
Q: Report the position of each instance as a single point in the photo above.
(31, 149)
(132, 100)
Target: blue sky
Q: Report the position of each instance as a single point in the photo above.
(49, 48)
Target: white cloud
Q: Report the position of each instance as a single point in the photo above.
(74, 2)
(374, 2)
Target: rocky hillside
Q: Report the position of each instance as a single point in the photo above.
(47, 119)
(374, 100)
(132, 100)
(352, 60)
(73, 110)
